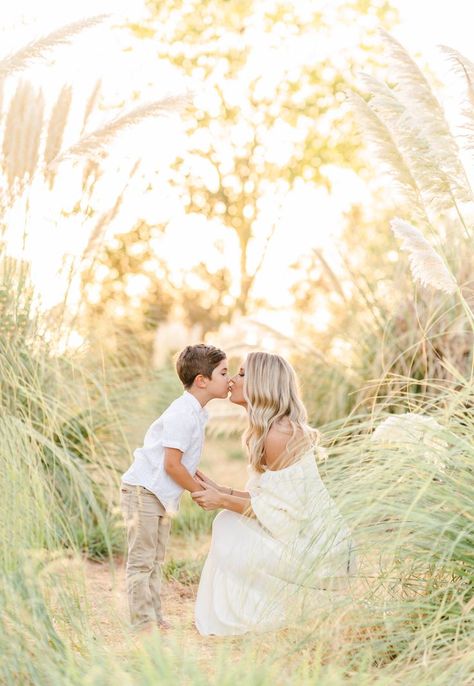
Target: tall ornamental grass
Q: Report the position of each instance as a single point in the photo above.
(401, 334)
(60, 438)
(407, 617)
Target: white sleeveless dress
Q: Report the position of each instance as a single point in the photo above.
(269, 572)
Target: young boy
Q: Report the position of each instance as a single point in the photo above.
(162, 469)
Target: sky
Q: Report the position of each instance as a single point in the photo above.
(427, 23)
(311, 217)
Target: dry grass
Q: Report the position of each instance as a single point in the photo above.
(38, 48)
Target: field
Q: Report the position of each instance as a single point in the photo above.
(380, 330)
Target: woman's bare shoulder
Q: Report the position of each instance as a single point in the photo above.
(277, 438)
(283, 446)
(276, 444)
(282, 426)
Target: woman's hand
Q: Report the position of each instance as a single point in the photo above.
(206, 482)
(209, 499)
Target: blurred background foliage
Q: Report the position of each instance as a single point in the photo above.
(257, 133)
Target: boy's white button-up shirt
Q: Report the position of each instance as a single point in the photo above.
(180, 426)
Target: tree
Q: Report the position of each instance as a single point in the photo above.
(128, 283)
(259, 130)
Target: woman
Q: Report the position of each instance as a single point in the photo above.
(279, 548)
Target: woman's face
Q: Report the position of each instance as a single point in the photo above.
(236, 386)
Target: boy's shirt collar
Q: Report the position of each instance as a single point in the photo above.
(196, 405)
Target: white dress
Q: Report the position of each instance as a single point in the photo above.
(266, 573)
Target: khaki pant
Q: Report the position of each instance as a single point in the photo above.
(148, 529)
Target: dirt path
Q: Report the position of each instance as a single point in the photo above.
(108, 616)
(107, 600)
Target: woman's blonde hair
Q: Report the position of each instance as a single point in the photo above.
(271, 393)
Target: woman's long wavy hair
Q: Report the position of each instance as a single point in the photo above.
(271, 393)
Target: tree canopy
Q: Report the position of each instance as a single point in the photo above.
(269, 81)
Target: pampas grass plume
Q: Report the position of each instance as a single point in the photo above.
(416, 429)
(57, 124)
(91, 103)
(21, 140)
(93, 144)
(38, 48)
(426, 265)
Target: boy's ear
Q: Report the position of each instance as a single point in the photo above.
(201, 381)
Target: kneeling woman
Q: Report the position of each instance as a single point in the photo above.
(279, 549)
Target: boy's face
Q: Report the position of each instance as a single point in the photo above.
(218, 386)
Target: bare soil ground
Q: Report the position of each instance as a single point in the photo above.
(108, 602)
(108, 617)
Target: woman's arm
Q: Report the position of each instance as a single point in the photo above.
(232, 491)
(210, 499)
(227, 490)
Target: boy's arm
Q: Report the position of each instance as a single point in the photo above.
(178, 472)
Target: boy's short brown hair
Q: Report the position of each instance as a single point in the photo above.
(198, 359)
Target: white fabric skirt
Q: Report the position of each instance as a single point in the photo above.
(247, 582)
